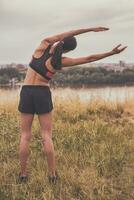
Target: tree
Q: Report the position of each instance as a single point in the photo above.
(4, 79)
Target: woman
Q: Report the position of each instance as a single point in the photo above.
(35, 95)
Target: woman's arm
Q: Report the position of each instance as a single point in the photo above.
(67, 62)
(52, 39)
(59, 37)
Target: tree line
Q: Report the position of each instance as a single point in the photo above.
(7, 73)
(83, 76)
(76, 76)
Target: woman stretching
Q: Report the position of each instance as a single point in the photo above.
(35, 94)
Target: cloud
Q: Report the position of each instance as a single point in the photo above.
(60, 14)
(25, 23)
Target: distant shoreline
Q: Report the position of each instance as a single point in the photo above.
(84, 86)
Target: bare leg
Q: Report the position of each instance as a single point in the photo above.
(46, 133)
(25, 124)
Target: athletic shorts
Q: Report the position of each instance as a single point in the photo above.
(35, 99)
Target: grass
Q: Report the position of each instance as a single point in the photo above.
(94, 145)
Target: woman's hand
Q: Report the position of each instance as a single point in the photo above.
(98, 29)
(116, 50)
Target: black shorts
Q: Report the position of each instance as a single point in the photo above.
(35, 99)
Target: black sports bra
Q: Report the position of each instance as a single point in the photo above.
(38, 64)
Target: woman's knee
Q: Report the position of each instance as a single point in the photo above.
(26, 136)
(47, 143)
(46, 136)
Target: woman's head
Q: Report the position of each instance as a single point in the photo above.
(69, 44)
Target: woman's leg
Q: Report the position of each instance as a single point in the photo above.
(25, 125)
(46, 133)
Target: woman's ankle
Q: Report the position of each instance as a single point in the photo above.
(24, 174)
(53, 173)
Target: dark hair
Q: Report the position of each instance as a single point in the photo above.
(69, 44)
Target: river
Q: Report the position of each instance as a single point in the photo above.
(107, 93)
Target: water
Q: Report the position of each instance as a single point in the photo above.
(119, 94)
(107, 93)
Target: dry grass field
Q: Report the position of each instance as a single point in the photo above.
(94, 145)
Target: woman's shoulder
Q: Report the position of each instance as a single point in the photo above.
(41, 48)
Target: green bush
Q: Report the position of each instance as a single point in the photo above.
(4, 79)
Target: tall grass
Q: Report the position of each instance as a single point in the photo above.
(94, 145)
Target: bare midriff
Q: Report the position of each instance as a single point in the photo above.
(33, 78)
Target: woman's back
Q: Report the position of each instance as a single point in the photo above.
(33, 78)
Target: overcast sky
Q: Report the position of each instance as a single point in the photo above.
(24, 23)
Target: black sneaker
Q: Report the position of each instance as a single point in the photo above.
(22, 179)
(53, 179)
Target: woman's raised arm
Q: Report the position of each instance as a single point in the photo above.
(67, 62)
(59, 37)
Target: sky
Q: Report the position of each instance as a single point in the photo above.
(24, 23)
